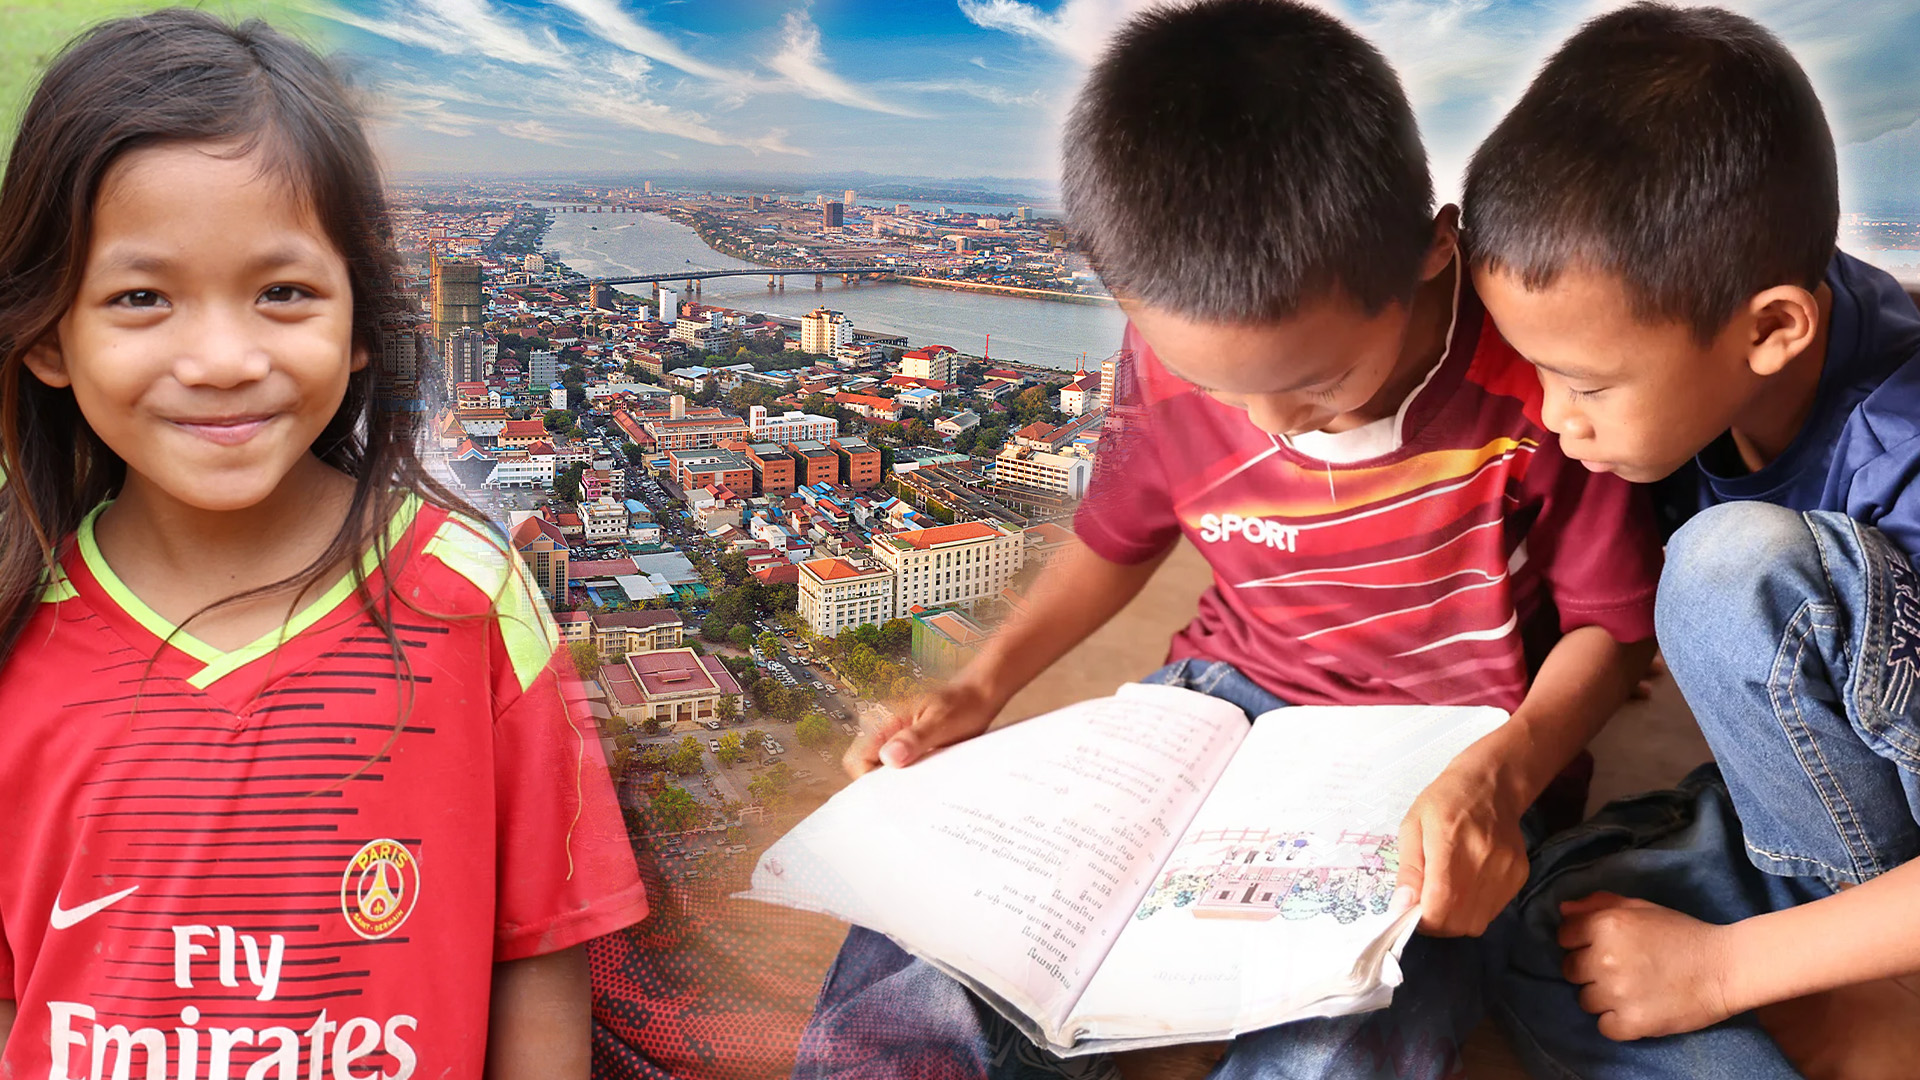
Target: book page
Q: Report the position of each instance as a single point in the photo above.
(1275, 900)
(1014, 857)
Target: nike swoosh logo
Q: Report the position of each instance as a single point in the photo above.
(61, 919)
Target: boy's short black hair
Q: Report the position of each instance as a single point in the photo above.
(1231, 159)
(1683, 150)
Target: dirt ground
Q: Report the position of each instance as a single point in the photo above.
(781, 955)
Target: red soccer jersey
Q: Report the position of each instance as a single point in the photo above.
(1418, 573)
(227, 865)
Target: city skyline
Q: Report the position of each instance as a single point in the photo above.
(963, 88)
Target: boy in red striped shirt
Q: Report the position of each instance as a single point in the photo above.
(1313, 396)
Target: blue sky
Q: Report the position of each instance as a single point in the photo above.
(968, 88)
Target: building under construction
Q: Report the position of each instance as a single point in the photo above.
(458, 303)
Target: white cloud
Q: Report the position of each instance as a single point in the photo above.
(992, 94)
(1078, 29)
(805, 71)
(539, 132)
(611, 23)
(456, 28)
(655, 117)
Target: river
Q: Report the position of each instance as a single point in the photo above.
(1043, 332)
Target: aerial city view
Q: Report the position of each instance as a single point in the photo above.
(764, 454)
(777, 345)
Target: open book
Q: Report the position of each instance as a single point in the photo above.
(1143, 869)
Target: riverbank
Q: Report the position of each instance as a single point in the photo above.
(1007, 290)
(1048, 335)
(707, 230)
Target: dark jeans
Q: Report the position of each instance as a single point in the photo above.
(1795, 638)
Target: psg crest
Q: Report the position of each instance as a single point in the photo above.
(380, 888)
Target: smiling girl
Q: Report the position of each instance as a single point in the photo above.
(291, 781)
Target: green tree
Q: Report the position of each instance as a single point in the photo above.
(732, 749)
(566, 485)
(727, 709)
(814, 732)
(686, 757)
(860, 663)
(741, 636)
(769, 643)
(673, 809)
(769, 788)
(586, 658)
(558, 421)
(895, 637)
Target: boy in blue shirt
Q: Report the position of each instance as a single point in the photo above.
(1653, 226)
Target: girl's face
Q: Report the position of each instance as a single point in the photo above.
(212, 337)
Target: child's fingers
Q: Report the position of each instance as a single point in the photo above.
(936, 723)
(1592, 902)
(1615, 1027)
(1412, 860)
(864, 755)
(1576, 932)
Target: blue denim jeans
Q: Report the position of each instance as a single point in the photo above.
(1794, 638)
(884, 1014)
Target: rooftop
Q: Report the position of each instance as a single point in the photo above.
(839, 570)
(679, 671)
(636, 620)
(922, 539)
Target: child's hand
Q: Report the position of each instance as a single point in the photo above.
(1644, 970)
(954, 713)
(1461, 852)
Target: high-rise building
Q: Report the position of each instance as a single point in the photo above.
(849, 197)
(831, 216)
(543, 368)
(457, 300)
(649, 187)
(753, 203)
(599, 296)
(1024, 213)
(901, 209)
(823, 330)
(466, 351)
(669, 305)
(400, 354)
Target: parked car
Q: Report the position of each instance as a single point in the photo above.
(713, 745)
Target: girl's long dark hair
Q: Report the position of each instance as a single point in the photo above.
(178, 76)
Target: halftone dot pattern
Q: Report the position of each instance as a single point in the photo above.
(710, 987)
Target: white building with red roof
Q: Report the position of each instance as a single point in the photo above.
(836, 595)
(932, 362)
(950, 565)
(1080, 395)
